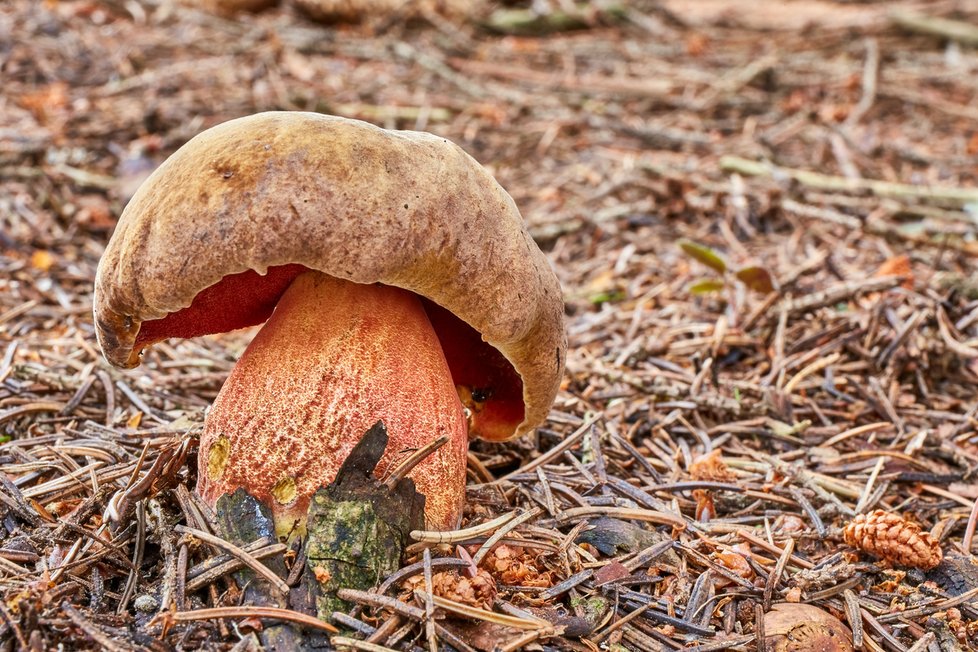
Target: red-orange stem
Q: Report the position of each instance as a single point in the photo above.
(334, 358)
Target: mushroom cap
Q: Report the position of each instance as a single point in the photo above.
(221, 228)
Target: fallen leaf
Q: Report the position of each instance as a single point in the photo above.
(735, 562)
(707, 286)
(703, 254)
(756, 278)
(897, 266)
(610, 572)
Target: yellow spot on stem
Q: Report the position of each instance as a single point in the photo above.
(284, 490)
(217, 458)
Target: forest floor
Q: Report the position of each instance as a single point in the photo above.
(764, 218)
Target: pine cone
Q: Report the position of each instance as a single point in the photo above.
(895, 539)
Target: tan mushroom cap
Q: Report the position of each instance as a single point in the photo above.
(279, 192)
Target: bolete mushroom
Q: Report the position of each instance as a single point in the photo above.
(397, 280)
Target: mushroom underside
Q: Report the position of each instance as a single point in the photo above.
(488, 385)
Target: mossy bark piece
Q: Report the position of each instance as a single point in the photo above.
(357, 527)
(591, 609)
(350, 547)
(241, 519)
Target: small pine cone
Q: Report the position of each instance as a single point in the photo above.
(895, 539)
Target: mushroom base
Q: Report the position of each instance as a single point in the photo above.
(334, 358)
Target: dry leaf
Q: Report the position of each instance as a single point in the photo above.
(898, 266)
(703, 254)
(711, 467)
(735, 562)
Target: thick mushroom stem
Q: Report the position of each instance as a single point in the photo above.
(334, 358)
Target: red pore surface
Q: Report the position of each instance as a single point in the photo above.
(489, 386)
(237, 301)
(334, 358)
(491, 389)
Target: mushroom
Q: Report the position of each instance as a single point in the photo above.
(796, 627)
(398, 283)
